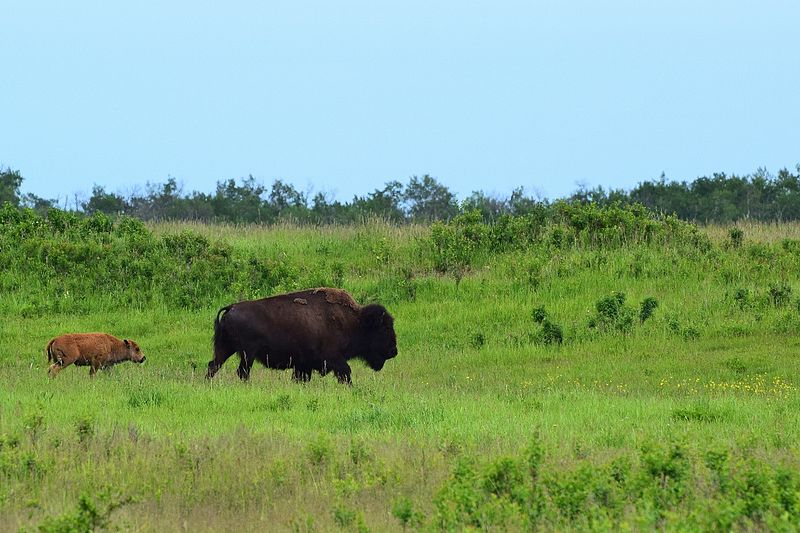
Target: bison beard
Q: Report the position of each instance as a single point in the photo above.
(318, 329)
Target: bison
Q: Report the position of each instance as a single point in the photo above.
(316, 329)
(95, 350)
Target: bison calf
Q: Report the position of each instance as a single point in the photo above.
(95, 350)
(318, 329)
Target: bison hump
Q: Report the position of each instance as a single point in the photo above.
(338, 296)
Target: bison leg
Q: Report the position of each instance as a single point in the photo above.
(301, 374)
(220, 356)
(245, 365)
(342, 371)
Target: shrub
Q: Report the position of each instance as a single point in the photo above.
(358, 452)
(505, 478)
(33, 423)
(570, 491)
(613, 313)
(647, 308)
(281, 402)
(66, 253)
(608, 307)
(88, 516)
(539, 314)
(742, 298)
(320, 450)
(511, 232)
(400, 287)
(696, 413)
(477, 340)
(344, 517)
(84, 427)
(405, 513)
(454, 245)
(780, 294)
(459, 499)
(736, 365)
(551, 333)
(736, 236)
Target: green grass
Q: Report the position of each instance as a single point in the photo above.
(442, 437)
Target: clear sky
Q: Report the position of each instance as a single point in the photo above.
(342, 96)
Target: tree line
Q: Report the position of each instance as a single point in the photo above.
(720, 198)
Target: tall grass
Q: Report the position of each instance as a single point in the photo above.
(688, 419)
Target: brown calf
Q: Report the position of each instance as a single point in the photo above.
(95, 350)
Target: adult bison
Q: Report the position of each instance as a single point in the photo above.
(95, 350)
(317, 329)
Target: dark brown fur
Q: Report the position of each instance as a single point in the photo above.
(317, 329)
(95, 350)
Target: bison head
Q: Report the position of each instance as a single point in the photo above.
(377, 339)
(134, 352)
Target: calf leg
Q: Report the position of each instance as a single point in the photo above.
(60, 360)
(55, 368)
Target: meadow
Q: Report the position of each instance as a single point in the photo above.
(586, 368)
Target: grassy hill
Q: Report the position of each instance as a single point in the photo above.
(591, 368)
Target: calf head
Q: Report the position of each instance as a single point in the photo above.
(133, 351)
(378, 341)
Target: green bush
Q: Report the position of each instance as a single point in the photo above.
(539, 314)
(126, 265)
(613, 314)
(780, 294)
(88, 516)
(647, 308)
(406, 514)
(551, 333)
(742, 298)
(454, 245)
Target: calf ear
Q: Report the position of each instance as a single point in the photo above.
(127, 344)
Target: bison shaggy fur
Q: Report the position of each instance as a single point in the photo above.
(316, 329)
(95, 350)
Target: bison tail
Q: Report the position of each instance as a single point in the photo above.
(220, 313)
(221, 336)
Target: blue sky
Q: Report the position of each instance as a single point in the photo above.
(342, 96)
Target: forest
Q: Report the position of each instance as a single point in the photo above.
(721, 198)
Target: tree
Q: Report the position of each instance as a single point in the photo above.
(490, 207)
(327, 211)
(429, 200)
(519, 204)
(104, 202)
(284, 200)
(385, 203)
(10, 181)
(40, 205)
(240, 203)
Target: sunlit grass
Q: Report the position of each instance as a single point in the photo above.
(471, 380)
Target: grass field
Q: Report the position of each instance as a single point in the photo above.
(687, 420)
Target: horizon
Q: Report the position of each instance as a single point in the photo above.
(77, 197)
